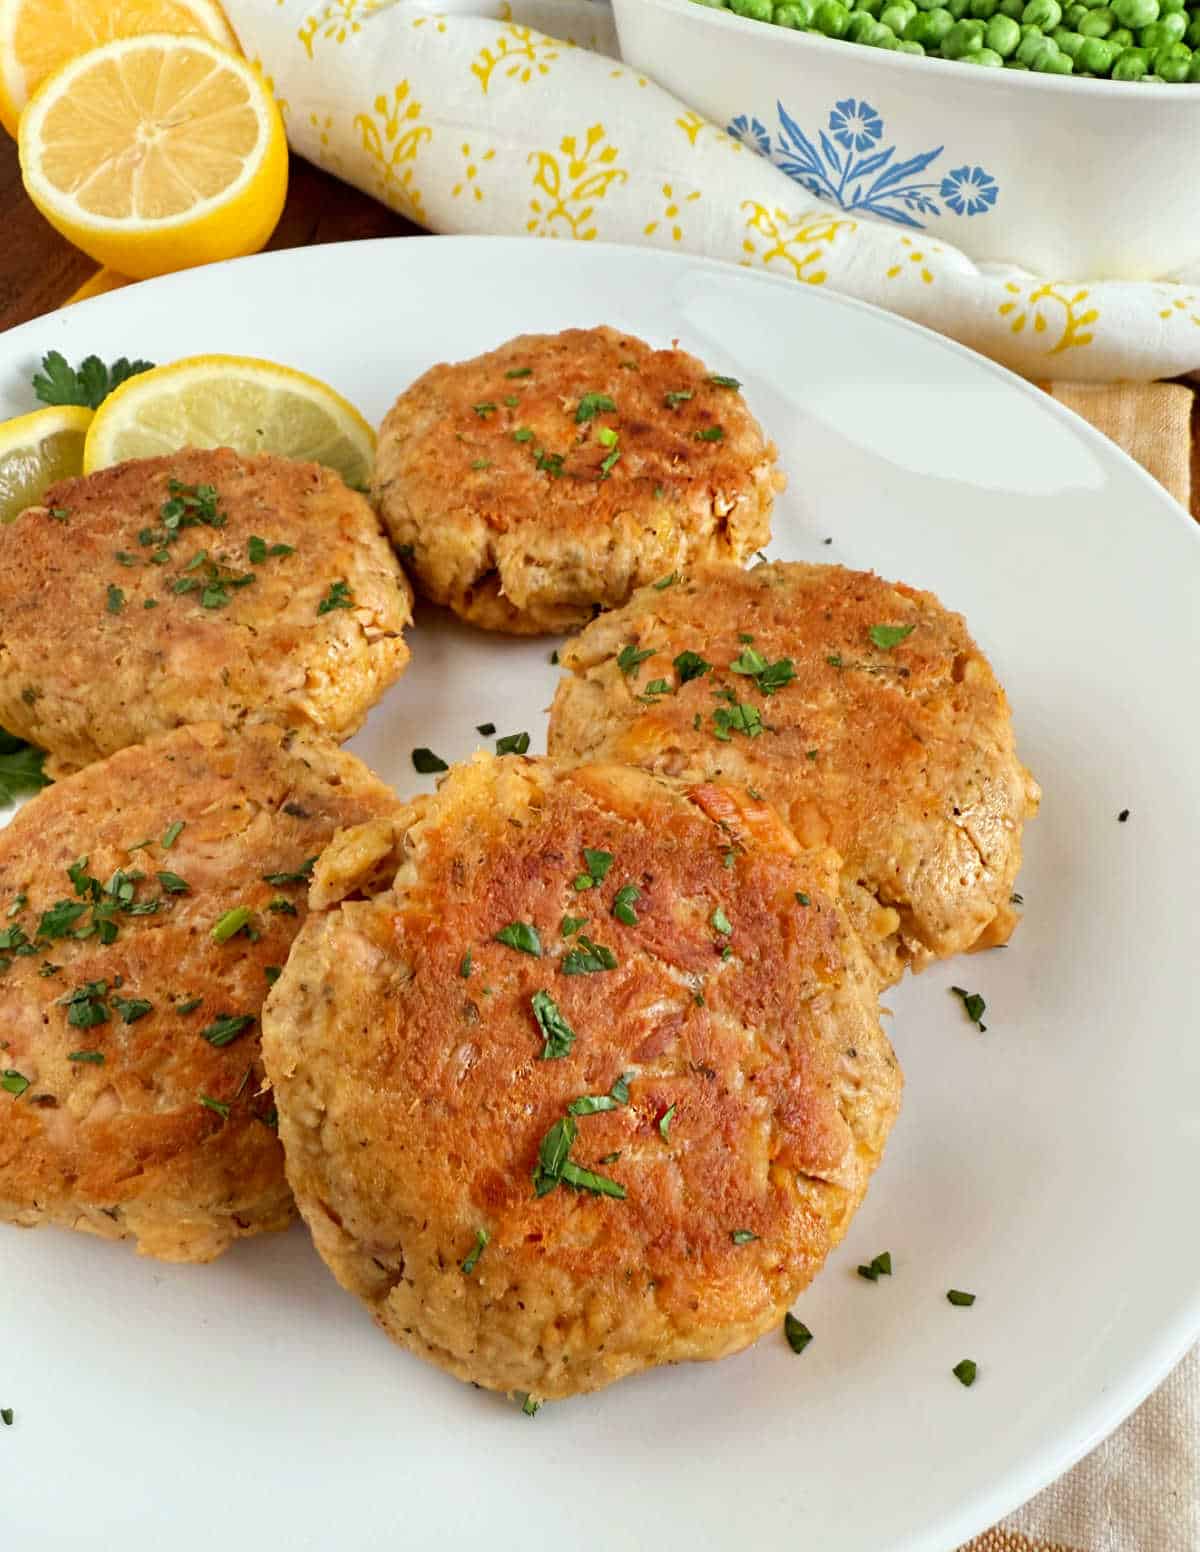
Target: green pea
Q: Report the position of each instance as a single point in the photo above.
(937, 24)
(1056, 63)
(1168, 29)
(897, 16)
(1131, 65)
(831, 18)
(1192, 36)
(928, 5)
(907, 46)
(1120, 38)
(870, 7)
(1073, 15)
(798, 14)
(965, 37)
(1011, 8)
(985, 56)
(1194, 68)
(1096, 56)
(1046, 14)
(1173, 67)
(1070, 42)
(982, 10)
(1002, 35)
(1135, 13)
(756, 10)
(860, 23)
(1098, 24)
(1031, 41)
(957, 8)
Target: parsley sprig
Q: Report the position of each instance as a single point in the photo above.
(88, 385)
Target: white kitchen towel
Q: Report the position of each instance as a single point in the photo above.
(469, 122)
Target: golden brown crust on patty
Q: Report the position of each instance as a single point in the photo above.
(124, 1147)
(901, 758)
(413, 1095)
(86, 667)
(486, 473)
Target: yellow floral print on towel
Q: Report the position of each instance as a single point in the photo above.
(511, 117)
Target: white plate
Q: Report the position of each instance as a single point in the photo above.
(1049, 1165)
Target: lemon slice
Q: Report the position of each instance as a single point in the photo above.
(36, 450)
(38, 36)
(156, 153)
(231, 401)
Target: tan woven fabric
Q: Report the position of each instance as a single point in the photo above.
(1140, 1491)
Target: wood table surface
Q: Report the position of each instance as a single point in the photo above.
(40, 270)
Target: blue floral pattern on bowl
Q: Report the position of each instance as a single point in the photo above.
(847, 167)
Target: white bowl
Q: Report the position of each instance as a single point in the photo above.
(1079, 179)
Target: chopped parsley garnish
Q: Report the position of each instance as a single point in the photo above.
(13, 1083)
(888, 636)
(174, 885)
(965, 1371)
(19, 903)
(607, 437)
(690, 665)
(597, 864)
(58, 922)
(620, 1089)
(769, 677)
(592, 1104)
(302, 875)
(960, 1299)
(260, 550)
(231, 923)
(555, 1147)
(881, 1266)
(338, 597)
(281, 907)
(484, 410)
(623, 904)
(549, 463)
(724, 382)
(59, 514)
(743, 1236)
(974, 1005)
(588, 958)
(171, 834)
(519, 371)
(591, 405)
(835, 660)
(6, 1416)
(512, 743)
(680, 396)
(486, 729)
(653, 690)
(116, 600)
(124, 558)
(630, 657)
(226, 1027)
(665, 582)
(521, 936)
(728, 720)
(711, 434)
(20, 769)
(132, 1008)
(471, 1261)
(522, 434)
(570, 924)
(811, 754)
(272, 973)
(721, 922)
(93, 1058)
(558, 1034)
(464, 966)
(664, 1123)
(426, 763)
(530, 1405)
(481, 463)
(86, 1006)
(610, 463)
(189, 1006)
(218, 1106)
(1016, 899)
(802, 897)
(797, 1333)
(88, 385)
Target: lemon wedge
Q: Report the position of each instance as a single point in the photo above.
(231, 401)
(39, 36)
(156, 153)
(36, 450)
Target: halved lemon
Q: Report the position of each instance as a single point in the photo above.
(231, 401)
(39, 36)
(156, 153)
(36, 450)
